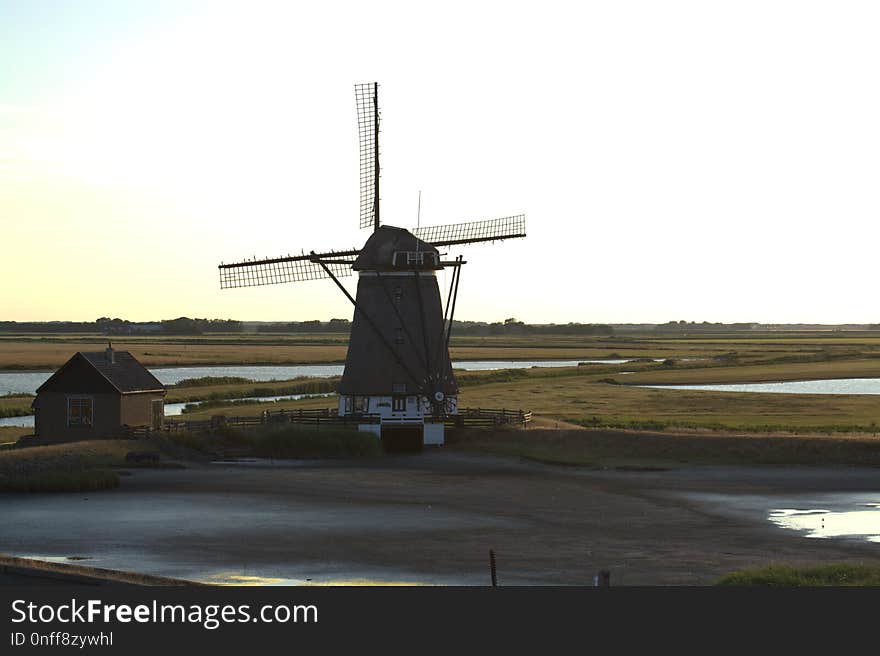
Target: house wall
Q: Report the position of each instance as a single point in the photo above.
(382, 406)
(137, 408)
(51, 419)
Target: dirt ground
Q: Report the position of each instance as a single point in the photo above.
(432, 518)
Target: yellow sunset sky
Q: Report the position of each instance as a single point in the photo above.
(677, 160)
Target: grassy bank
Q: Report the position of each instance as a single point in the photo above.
(74, 466)
(10, 434)
(838, 574)
(289, 441)
(634, 450)
(585, 400)
(209, 389)
(16, 405)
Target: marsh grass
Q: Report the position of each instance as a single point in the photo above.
(72, 466)
(640, 450)
(206, 381)
(234, 391)
(836, 574)
(16, 405)
(282, 442)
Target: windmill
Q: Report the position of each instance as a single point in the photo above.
(397, 368)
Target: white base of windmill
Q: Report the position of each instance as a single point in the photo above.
(398, 411)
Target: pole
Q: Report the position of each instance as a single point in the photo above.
(376, 152)
(492, 569)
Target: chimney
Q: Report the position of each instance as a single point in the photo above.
(109, 353)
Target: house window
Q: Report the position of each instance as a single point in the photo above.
(398, 404)
(398, 388)
(348, 405)
(79, 411)
(361, 404)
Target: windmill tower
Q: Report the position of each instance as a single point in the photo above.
(397, 368)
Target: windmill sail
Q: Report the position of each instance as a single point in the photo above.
(508, 227)
(273, 271)
(366, 97)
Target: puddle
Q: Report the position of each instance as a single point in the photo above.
(57, 559)
(862, 523)
(233, 579)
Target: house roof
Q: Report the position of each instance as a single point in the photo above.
(124, 372)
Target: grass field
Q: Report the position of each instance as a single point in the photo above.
(46, 352)
(596, 395)
(579, 395)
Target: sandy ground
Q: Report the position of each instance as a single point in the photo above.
(432, 518)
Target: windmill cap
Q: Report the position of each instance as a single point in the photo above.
(378, 252)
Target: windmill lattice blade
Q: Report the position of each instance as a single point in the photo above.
(273, 271)
(365, 98)
(508, 227)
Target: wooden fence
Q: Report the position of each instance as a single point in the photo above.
(466, 418)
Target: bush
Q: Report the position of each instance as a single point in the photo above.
(206, 381)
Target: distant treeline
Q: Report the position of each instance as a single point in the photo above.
(513, 327)
(703, 326)
(187, 326)
(507, 327)
(108, 326)
(315, 326)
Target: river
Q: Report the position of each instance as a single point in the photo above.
(28, 382)
(828, 386)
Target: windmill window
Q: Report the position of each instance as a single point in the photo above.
(398, 335)
(398, 294)
(398, 388)
(398, 404)
(79, 411)
(415, 259)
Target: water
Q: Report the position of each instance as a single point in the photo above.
(173, 409)
(21, 383)
(828, 386)
(850, 515)
(859, 521)
(27, 383)
(27, 421)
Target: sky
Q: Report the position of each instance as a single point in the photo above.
(705, 161)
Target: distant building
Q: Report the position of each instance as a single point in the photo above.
(97, 395)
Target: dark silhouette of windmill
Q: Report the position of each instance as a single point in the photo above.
(397, 367)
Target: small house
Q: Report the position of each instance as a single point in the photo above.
(98, 395)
